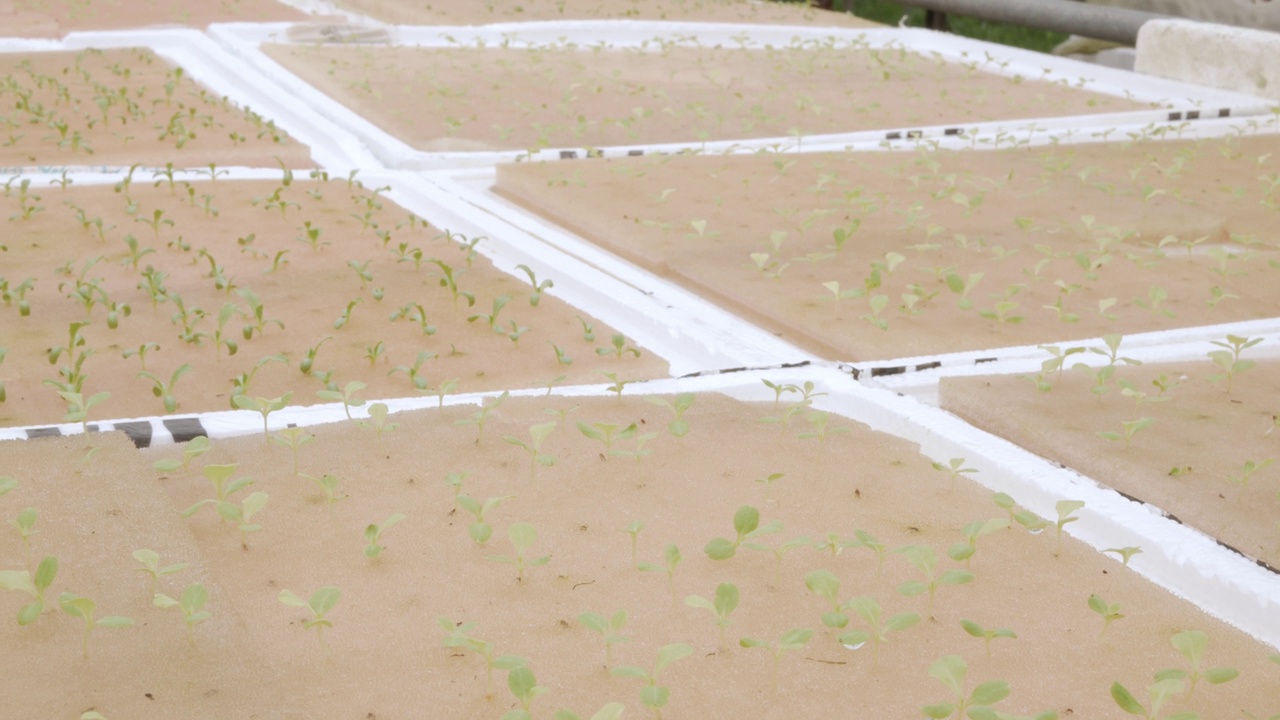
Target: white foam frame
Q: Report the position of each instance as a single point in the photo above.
(1179, 99)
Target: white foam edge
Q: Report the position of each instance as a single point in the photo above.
(244, 40)
(221, 72)
(1175, 557)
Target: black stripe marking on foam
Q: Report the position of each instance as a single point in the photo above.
(568, 155)
(880, 371)
(929, 365)
(33, 433)
(184, 429)
(139, 432)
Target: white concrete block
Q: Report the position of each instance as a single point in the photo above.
(1220, 56)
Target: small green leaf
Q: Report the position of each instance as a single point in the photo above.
(721, 549)
(990, 693)
(1126, 701)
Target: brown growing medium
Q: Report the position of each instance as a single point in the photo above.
(1183, 463)
(55, 18)
(384, 657)
(243, 231)
(119, 107)
(441, 12)
(517, 99)
(1080, 204)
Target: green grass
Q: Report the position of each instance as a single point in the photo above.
(890, 13)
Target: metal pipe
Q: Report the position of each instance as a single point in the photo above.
(1115, 24)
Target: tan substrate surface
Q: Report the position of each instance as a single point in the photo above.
(307, 294)
(1200, 427)
(442, 12)
(911, 203)
(385, 657)
(516, 99)
(55, 18)
(150, 112)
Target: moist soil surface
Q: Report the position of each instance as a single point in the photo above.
(120, 107)
(519, 99)
(383, 656)
(1053, 243)
(205, 246)
(1191, 461)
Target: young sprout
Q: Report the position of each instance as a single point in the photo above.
(954, 469)
(671, 560)
(619, 348)
(523, 536)
(191, 605)
(7, 484)
(346, 396)
(825, 585)
(373, 535)
(33, 585)
(746, 523)
(292, 438)
(482, 415)
(84, 608)
(610, 629)
(328, 486)
(618, 385)
(491, 319)
(537, 435)
(1159, 692)
(454, 480)
(150, 560)
(1229, 360)
(538, 287)
(1125, 553)
(682, 402)
(25, 524)
(1192, 645)
(223, 486)
(870, 611)
(653, 695)
(377, 421)
(1129, 427)
(411, 371)
(459, 636)
(606, 434)
(793, 640)
(480, 531)
(725, 602)
(1066, 515)
(320, 603)
(78, 406)
(963, 552)
(525, 687)
(818, 420)
(976, 630)
(1246, 472)
(243, 513)
(779, 552)
(264, 407)
(164, 390)
(633, 529)
(923, 558)
(1110, 612)
(869, 541)
(192, 449)
(951, 671)
(833, 544)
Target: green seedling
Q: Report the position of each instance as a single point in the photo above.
(779, 552)
(610, 711)
(951, 671)
(682, 402)
(606, 434)
(454, 481)
(481, 416)
(1229, 360)
(870, 611)
(537, 435)
(165, 391)
(25, 524)
(78, 406)
(976, 630)
(1192, 644)
(459, 636)
(746, 523)
(633, 530)
(1159, 693)
(561, 356)
(725, 602)
(962, 287)
(412, 371)
(258, 321)
(1110, 612)
(223, 486)
(448, 280)
(964, 552)
(377, 421)
(618, 385)
(954, 469)
(780, 389)
(84, 608)
(538, 287)
(33, 585)
(1129, 429)
(1066, 515)
(309, 357)
(444, 388)
(818, 421)
(328, 486)
(1112, 351)
(7, 484)
(1247, 471)
(825, 585)
(588, 331)
(491, 319)
(480, 531)
(525, 687)
(243, 513)
(150, 561)
(320, 603)
(833, 544)
(346, 396)
(619, 348)
(415, 313)
(523, 536)
(373, 536)
(653, 695)
(1005, 502)
(345, 318)
(293, 438)
(793, 640)
(1125, 553)
(869, 541)
(263, 406)
(924, 560)
(1033, 523)
(191, 605)
(610, 629)
(192, 449)
(670, 561)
